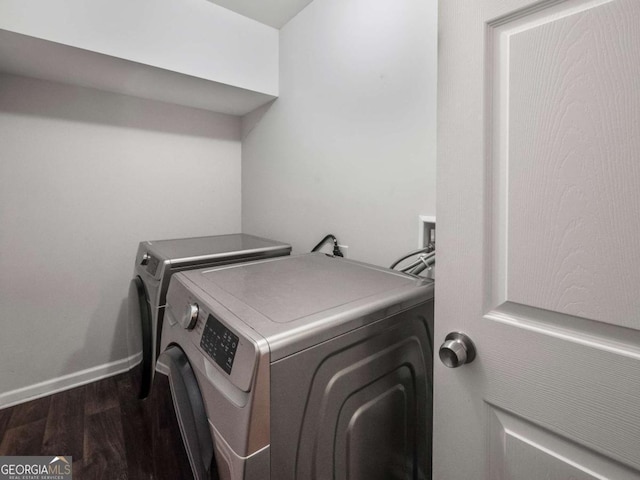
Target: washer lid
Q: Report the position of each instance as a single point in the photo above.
(303, 285)
(297, 301)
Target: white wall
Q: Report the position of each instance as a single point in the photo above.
(349, 146)
(84, 176)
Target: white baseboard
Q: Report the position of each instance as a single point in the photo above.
(66, 382)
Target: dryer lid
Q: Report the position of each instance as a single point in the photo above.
(214, 247)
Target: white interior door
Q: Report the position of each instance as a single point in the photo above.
(539, 239)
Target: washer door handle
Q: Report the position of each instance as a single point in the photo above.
(190, 411)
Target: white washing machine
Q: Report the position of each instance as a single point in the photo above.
(156, 262)
(302, 367)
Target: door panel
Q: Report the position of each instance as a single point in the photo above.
(539, 220)
(566, 387)
(566, 94)
(526, 452)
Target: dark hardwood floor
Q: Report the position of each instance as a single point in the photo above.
(108, 432)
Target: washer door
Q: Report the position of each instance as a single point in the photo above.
(139, 337)
(190, 412)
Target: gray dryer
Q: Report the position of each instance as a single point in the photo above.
(156, 261)
(303, 367)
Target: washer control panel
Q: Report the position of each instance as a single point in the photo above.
(219, 343)
(227, 350)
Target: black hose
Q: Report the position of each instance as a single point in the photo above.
(323, 241)
(336, 249)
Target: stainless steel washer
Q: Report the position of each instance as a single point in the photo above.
(302, 367)
(156, 262)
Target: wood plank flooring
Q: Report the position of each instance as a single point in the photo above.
(108, 432)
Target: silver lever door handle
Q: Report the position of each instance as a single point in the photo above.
(457, 350)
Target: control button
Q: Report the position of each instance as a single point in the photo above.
(190, 317)
(145, 259)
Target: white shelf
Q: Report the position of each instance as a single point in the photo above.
(46, 60)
